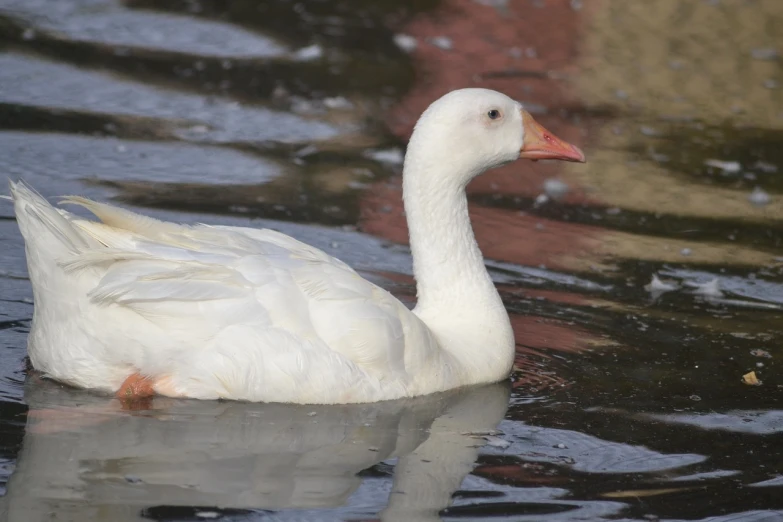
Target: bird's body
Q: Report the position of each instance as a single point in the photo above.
(238, 313)
(214, 312)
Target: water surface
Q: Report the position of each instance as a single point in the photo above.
(627, 401)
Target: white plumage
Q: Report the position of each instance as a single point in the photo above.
(226, 312)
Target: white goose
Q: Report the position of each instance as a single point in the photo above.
(137, 306)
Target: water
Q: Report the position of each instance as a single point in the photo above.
(627, 402)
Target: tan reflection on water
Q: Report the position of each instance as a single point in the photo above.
(682, 57)
(678, 59)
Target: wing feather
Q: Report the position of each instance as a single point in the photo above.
(153, 282)
(211, 277)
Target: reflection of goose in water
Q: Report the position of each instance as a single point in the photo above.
(97, 462)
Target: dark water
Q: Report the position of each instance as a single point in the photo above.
(627, 404)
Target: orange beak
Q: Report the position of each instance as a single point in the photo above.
(542, 144)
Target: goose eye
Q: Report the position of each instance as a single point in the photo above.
(494, 114)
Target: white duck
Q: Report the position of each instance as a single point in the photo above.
(137, 306)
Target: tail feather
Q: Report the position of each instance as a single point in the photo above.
(123, 219)
(37, 216)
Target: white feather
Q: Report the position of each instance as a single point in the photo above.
(219, 311)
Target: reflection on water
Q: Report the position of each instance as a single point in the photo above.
(627, 401)
(84, 457)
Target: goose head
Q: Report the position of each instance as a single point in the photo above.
(468, 131)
